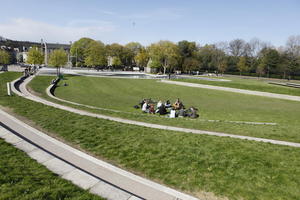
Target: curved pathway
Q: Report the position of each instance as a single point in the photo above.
(241, 91)
(24, 92)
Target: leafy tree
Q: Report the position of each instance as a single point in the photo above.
(124, 54)
(79, 51)
(242, 65)
(4, 57)
(116, 61)
(95, 54)
(134, 47)
(142, 58)
(186, 50)
(155, 63)
(289, 64)
(35, 56)
(166, 53)
(222, 66)
(260, 70)
(58, 58)
(210, 57)
(270, 58)
(190, 64)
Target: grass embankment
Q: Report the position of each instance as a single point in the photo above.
(249, 84)
(231, 168)
(122, 94)
(23, 178)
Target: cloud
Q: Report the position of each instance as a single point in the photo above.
(32, 30)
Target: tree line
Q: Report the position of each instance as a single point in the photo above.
(237, 56)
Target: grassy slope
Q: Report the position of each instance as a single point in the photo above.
(24, 178)
(122, 94)
(249, 84)
(227, 167)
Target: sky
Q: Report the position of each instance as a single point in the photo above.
(123, 21)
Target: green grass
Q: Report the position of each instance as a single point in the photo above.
(122, 94)
(228, 167)
(249, 84)
(23, 178)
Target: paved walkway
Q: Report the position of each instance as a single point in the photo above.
(28, 95)
(227, 89)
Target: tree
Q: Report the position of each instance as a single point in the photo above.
(134, 47)
(142, 58)
(210, 57)
(95, 54)
(166, 53)
(35, 56)
(270, 58)
(222, 66)
(293, 45)
(190, 64)
(186, 50)
(260, 70)
(116, 61)
(124, 54)
(79, 51)
(236, 47)
(289, 64)
(58, 58)
(4, 57)
(242, 65)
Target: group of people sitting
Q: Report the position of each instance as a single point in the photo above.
(176, 109)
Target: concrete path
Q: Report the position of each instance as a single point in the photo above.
(241, 91)
(25, 93)
(82, 169)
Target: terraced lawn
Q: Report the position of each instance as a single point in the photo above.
(23, 178)
(123, 94)
(206, 166)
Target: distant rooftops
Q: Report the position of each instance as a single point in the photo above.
(28, 44)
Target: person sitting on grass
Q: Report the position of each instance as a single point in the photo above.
(172, 113)
(168, 104)
(178, 104)
(192, 113)
(151, 109)
(162, 110)
(145, 107)
(181, 113)
(142, 102)
(159, 104)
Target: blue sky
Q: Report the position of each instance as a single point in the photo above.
(150, 21)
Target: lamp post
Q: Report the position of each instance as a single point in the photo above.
(46, 52)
